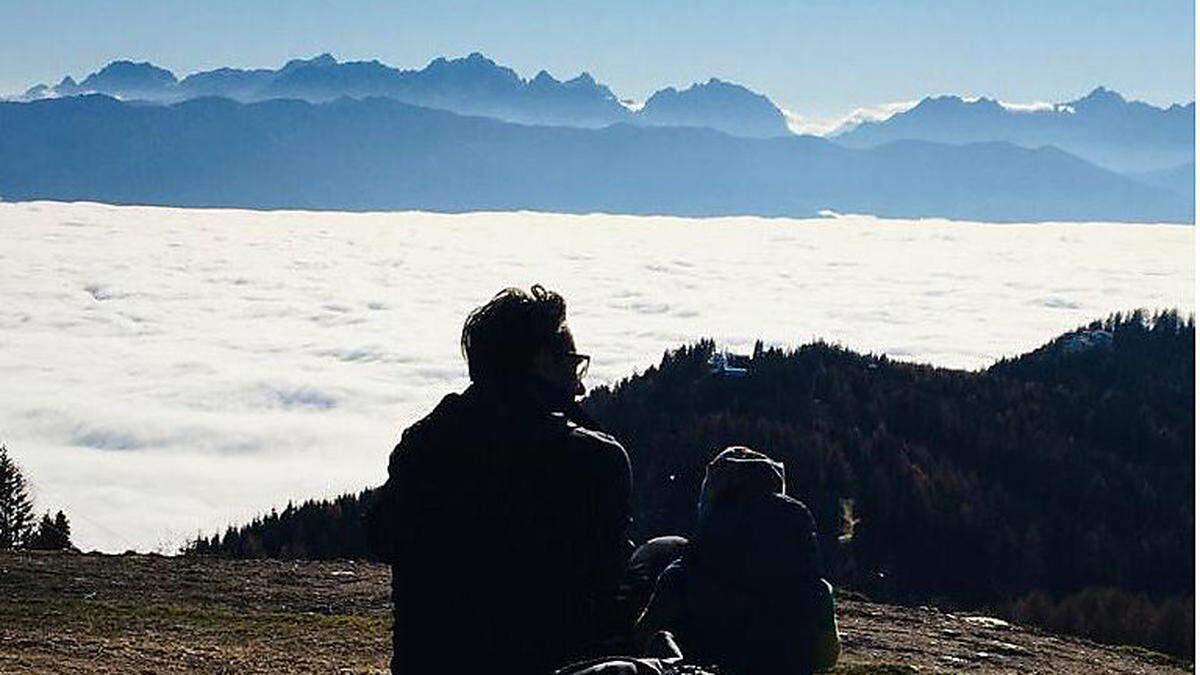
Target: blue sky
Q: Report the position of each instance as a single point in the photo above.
(818, 59)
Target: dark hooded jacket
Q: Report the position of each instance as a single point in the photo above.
(747, 595)
(505, 519)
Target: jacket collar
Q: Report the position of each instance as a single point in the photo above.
(532, 393)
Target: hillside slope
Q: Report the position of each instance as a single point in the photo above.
(116, 614)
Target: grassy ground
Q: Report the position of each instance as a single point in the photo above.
(74, 613)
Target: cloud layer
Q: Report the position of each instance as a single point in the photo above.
(819, 126)
(171, 370)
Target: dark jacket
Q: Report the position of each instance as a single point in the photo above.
(747, 596)
(505, 518)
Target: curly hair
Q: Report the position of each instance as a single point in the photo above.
(501, 338)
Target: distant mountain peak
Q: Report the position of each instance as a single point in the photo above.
(582, 80)
(129, 69)
(323, 60)
(36, 91)
(1101, 96)
(478, 61)
(543, 78)
(716, 104)
(716, 83)
(475, 62)
(955, 102)
(123, 78)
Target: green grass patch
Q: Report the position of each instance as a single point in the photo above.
(109, 618)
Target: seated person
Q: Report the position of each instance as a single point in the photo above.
(747, 595)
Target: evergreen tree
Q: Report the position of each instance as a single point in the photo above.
(16, 508)
(52, 534)
(62, 527)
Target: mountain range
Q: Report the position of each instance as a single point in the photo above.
(474, 85)
(916, 162)
(380, 153)
(1102, 127)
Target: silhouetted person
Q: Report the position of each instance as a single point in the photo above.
(747, 595)
(505, 511)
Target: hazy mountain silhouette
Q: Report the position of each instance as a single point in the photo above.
(378, 153)
(1181, 179)
(124, 79)
(474, 85)
(1102, 127)
(717, 105)
(1125, 136)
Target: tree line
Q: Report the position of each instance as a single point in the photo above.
(19, 527)
(1044, 487)
(317, 529)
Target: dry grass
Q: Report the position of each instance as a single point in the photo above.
(74, 613)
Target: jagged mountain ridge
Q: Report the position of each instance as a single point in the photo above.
(473, 85)
(380, 154)
(1101, 127)
(1130, 137)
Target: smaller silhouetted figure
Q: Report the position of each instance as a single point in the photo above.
(747, 595)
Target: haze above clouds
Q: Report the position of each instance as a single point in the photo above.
(172, 370)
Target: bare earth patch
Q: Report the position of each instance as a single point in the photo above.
(144, 613)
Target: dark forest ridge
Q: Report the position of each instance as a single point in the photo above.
(381, 154)
(1054, 488)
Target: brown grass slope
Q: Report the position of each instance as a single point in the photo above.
(72, 613)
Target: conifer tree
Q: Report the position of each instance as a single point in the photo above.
(52, 534)
(62, 528)
(16, 508)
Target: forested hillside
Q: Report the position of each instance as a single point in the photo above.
(1055, 487)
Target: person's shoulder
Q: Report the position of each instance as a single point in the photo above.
(445, 409)
(600, 446)
(794, 509)
(673, 577)
(589, 436)
(437, 422)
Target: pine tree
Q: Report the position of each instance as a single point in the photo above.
(16, 508)
(52, 534)
(62, 528)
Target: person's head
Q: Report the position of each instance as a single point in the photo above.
(738, 471)
(520, 334)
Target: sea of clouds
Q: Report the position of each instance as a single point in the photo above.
(168, 371)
